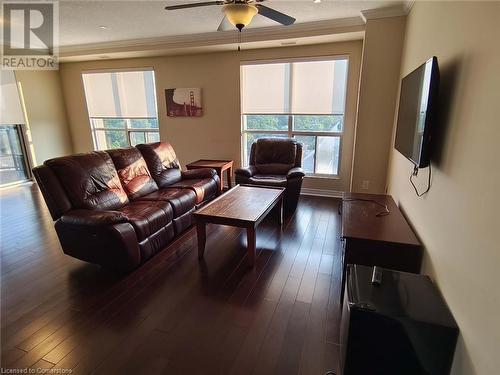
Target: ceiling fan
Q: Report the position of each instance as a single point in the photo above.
(240, 12)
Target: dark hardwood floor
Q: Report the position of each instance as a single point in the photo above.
(174, 315)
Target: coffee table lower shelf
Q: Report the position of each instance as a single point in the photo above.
(243, 206)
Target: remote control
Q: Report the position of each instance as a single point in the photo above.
(376, 276)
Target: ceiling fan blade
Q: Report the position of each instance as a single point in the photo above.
(194, 5)
(275, 15)
(224, 25)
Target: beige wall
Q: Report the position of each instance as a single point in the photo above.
(458, 219)
(217, 134)
(377, 96)
(46, 114)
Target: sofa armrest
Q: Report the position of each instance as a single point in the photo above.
(295, 173)
(93, 218)
(113, 246)
(198, 173)
(246, 172)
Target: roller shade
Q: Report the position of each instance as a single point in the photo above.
(120, 94)
(11, 112)
(265, 88)
(310, 87)
(318, 87)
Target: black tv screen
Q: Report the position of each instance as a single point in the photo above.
(417, 104)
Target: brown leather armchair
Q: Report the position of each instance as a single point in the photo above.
(275, 162)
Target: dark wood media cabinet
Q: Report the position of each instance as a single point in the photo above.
(386, 241)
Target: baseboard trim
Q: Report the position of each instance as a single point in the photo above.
(321, 193)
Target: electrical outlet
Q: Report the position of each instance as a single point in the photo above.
(365, 184)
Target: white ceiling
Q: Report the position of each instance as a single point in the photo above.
(81, 21)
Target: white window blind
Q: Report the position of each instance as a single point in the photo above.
(309, 87)
(264, 88)
(11, 112)
(318, 87)
(120, 94)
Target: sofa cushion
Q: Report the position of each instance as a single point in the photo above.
(181, 200)
(275, 155)
(147, 217)
(269, 180)
(204, 188)
(90, 180)
(162, 162)
(133, 172)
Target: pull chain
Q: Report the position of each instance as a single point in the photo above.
(239, 40)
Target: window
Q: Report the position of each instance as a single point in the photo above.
(14, 162)
(300, 99)
(122, 108)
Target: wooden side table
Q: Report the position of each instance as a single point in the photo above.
(219, 165)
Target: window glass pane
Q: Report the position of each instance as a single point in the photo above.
(106, 139)
(264, 88)
(308, 151)
(144, 123)
(108, 123)
(252, 137)
(153, 137)
(137, 138)
(318, 87)
(266, 122)
(333, 123)
(114, 123)
(12, 159)
(327, 155)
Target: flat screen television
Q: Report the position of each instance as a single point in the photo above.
(417, 106)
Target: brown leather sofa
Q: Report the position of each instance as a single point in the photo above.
(118, 208)
(275, 162)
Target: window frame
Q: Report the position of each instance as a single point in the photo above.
(290, 132)
(128, 129)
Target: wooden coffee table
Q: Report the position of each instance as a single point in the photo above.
(219, 165)
(243, 206)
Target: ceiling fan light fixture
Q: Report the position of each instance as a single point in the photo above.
(239, 14)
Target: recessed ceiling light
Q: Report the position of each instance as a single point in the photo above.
(103, 27)
(316, 1)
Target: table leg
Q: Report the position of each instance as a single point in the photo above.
(251, 240)
(229, 172)
(343, 275)
(220, 173)
(280, 211)
(201, 233)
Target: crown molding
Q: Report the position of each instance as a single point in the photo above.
(205, 41)
(392, 11)
(409, 5)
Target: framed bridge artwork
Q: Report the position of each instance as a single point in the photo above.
(184, 102)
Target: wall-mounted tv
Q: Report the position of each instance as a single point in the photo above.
(417, 105)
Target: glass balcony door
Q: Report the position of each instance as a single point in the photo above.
(13, 162)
